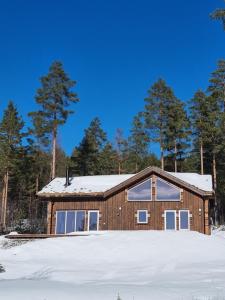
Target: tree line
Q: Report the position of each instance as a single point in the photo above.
(190, 136)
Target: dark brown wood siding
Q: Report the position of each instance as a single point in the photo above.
(117, 213)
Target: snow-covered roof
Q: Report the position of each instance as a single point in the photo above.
(202, 182)
(84, 184)
(102, 183)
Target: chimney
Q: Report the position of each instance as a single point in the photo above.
(67, 177)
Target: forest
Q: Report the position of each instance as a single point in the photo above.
(190, 136)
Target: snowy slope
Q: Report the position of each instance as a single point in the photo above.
(138, 265)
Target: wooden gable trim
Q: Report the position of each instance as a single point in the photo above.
(154, 170)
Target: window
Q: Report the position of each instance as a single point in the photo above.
(80, 220)
(60, 222)
(142, 216)
(70, 221)
(166, 191)
(140, 192)
(93, 220)
(184, 221)
(170, 220)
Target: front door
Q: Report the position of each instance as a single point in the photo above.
(170, 220)
(93, 220)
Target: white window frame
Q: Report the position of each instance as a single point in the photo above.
(172, 185)
(75, 223)
(90, 211)
(186, 210)
(142, 210)
(149, 179)
(175, 218)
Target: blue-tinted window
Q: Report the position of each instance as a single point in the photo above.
(60, 219)
(140, 192)
(166, 191)
(80, 220)
(70, 221)
(170, 220)
(142, 216)
(93, 220)
(184, 219)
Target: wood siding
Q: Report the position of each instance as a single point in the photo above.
(117, 213)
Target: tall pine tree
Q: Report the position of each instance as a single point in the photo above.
(54, 98)
(11, 136)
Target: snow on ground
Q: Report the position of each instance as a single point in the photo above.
(135, 264)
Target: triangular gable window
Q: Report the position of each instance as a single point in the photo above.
(166, 191)
(141, 192)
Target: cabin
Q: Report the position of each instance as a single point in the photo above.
(152, 199)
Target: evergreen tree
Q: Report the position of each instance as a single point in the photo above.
(121, 146)
(138, 142)
(198, 115)
(177, 131)
(11, 135)
(86, 155)
(217, 83)
(219, 14)
(54, 98)
(108, 160)
(158, 104)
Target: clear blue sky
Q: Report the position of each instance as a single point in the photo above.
(115, 49)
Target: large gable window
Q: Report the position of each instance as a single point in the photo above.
(166, 191)
(140, 192)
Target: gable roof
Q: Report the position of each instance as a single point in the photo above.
(105, 185)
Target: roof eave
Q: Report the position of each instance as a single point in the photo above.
(68, 195)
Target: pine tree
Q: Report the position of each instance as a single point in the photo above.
(107, 160)
(54, 98)
(138, 142)
(159, 99)
(11, 136)
(121, 146)
(177, 131)
(198, 115)
(217, 83)
(86, 155)
(219, 14)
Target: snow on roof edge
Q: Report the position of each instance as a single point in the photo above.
(101, 183)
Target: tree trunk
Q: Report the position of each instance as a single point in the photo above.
(54, 152)
(162, 158)
(214, 172)
(5, 199)
(214, 187)
(136, 167)
(175, 157)
(2, 204)
(201, 158)
(119, 168)
(37, 184)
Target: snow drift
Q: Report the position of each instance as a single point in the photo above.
(137, 264)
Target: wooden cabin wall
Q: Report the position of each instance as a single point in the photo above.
(116, 213)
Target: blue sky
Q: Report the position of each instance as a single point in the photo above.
(114, 50)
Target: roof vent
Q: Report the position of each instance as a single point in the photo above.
(67, 177)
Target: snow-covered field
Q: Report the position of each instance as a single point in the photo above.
(137, 265)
